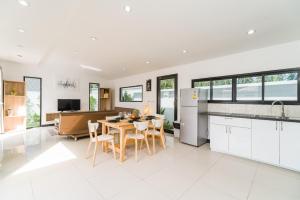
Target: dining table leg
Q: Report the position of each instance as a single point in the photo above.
(104, 128)
(122, 146)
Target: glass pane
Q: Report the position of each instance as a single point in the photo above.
(249, 88)
(281, 87)
(94, 97)
(132, 94)
(33, 102)
(203, 85)
(222, 89)
(167, 99)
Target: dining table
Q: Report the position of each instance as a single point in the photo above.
(123, 126)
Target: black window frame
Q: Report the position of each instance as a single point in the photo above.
(98, 95)
(158, 105)
(41, 99)
(212, 85)
(120, 93)
(234, 86)
(262, 88)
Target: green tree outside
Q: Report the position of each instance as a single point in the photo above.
(93, 103)
(127, 97)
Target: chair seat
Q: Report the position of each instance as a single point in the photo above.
(153, 132)
(138, 136)
(104, 137)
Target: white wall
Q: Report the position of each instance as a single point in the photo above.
(270, 58)
(50, 75)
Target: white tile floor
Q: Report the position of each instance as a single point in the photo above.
(57, 169)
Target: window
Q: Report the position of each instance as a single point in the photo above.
(249, 88)
(255, 88)
(33, 87)
(222, 89)
(281, 87)
(131, 94)
(205, 85)
(94, 96)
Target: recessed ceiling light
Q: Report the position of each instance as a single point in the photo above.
(21, 30)
(184, 51)
(148, 62)
(251, 32)
(93, 38)
(91, 68)
(127, 8)
(24, 3)
(20, 56)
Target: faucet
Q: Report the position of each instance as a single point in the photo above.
(282, 107)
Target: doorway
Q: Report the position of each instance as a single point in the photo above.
(167, 89)
(33, 87)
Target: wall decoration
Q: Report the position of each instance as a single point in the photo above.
(148, 85)
(68, 84)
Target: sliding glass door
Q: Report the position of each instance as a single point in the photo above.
(94, 89)
(167, 99)
(33, 87)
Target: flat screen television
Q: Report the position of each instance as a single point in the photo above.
(68, 104)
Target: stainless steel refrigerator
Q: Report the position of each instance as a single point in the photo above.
(193, 116)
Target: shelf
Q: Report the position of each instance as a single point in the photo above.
(15, 116)
(19, 96)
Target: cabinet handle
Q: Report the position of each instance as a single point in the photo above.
(281, 125)
(226, 129)
(276, 125)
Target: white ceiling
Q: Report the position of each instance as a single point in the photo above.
(57, 32)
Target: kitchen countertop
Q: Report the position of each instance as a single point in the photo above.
(251, 116)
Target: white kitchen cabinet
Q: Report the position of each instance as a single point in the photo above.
(218, 138)
(227, 135)
(239, 141)
(265, 141)
(268, 141)
(290, 145)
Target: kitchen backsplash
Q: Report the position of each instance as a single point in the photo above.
(255, 109)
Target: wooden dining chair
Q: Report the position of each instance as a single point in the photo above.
(97, 139)
(157, 131)
(112, 131)
(139, 135)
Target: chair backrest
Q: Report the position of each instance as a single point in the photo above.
(157, 123)
(93, 129)
(140, 126)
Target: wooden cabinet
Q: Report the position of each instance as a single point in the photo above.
(218, 138)
(239, 141)
(105, 99)
(14, 106)
(265, 141)
(290, 145)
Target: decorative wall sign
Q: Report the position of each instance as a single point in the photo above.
(68, 84)
(148, 85)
